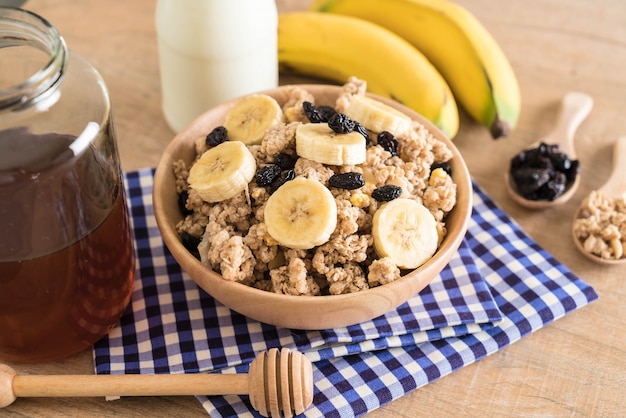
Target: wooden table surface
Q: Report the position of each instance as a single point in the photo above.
(573, 367)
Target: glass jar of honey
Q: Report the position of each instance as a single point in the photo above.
(67, 260)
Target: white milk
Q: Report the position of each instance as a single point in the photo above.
(211, 51)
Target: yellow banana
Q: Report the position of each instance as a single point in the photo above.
(458, 45)
(336, 47)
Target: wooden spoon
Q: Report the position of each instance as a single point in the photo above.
(277, 382)
(615, 187)
(574, 109)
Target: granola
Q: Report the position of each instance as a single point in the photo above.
(601, 225)
(234, 240)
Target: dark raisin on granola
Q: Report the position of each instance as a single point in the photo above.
(445, 166)
(191, 244)
(348, 181)
(363, 131)
(317, 114)
(341, 123)
(217, 136)
(285, 161)
(388, 142)
(282, 179)
(311, 112)
(182, 203)
(267, 175)
(387, 192)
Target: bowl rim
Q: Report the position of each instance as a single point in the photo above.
(192, 265)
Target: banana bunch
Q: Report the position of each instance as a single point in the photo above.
(445, 35)
(335, 47)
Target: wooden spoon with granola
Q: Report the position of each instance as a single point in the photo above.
(599, 228)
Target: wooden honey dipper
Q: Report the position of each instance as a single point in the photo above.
(278, 382)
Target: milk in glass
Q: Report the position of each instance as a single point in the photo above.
(211, 51)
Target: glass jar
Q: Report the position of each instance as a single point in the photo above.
(67, 260)
(211, 51)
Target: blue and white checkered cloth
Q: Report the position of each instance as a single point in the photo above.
(499, 287)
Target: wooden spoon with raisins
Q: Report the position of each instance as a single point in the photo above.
(546, 173)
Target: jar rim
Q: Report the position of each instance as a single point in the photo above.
(19, 27)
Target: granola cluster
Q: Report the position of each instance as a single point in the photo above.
(233, 237)
(601, 225)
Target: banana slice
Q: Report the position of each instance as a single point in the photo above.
(377, 116)
(317, 142)
(222, 171)
(301, 214)
(251, 116)
(405, 231)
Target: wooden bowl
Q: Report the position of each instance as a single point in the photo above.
(302, 312)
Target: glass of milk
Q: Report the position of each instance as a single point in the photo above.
(211, 51)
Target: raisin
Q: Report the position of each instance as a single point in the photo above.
(311, 112)
(573, 171)
(267, 175)
(519, 160)
(560, 178)
(348, 181)
(445, 166)
(387, 192)
(318, 114)
(543, 148)
(341, 123)
(531, 156)
(529, 179)
(282, 179)
(363, 131)
(553, 188)
(560, 161)
(543, 172)
(543, 162)
(553, 149)
(182, 203)
(191, 244)
(285, 161)
(389, 142)
(325, 112)
(217, 136)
